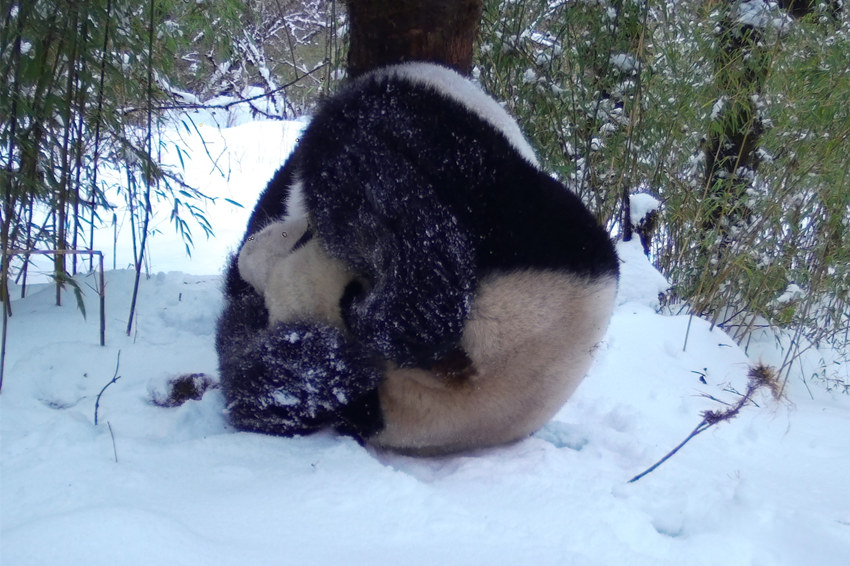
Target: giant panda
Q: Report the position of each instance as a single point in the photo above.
(518, 371)
(466, 291)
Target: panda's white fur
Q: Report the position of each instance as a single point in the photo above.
(530, 339)
(296, 284)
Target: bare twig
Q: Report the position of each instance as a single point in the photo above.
(112, 434)
(229, 105)
(700, 427)
(759, 376)
(115, 378)
(713, 398)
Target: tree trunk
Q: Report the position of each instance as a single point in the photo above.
(385, 32)
(742, 64)
(731, 158)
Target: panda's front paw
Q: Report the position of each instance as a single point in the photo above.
(297, 378)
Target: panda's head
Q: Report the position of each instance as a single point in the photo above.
(268, 247)
(298, 280)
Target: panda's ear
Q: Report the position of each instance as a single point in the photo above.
(273, 202)
(353, 291)
(302, 241)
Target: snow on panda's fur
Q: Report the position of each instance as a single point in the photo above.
(481, 283)
(519, 370)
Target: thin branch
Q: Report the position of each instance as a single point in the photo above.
(112, 434)
(759, 376)
(229, 105)
(700, 427)
(115, 378)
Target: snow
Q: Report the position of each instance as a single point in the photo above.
(641, 205)
(625, 62)
(643, 283)
(152, 485)
(761, 14)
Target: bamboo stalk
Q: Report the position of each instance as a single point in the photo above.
(101, 292)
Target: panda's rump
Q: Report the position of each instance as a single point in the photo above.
(530, 338)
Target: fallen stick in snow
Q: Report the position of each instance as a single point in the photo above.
(759, 376)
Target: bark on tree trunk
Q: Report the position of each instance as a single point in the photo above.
(385, 32)
(731, 156)
(741, 68)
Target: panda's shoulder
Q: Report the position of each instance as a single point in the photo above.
(455, 89)
(390, 95)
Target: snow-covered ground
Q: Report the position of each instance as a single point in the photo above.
(148, 485)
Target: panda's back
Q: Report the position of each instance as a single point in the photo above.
(437, 149)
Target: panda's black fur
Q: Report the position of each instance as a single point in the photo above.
(427, 201)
